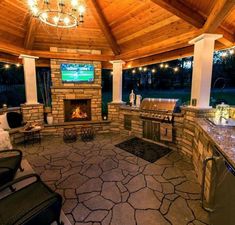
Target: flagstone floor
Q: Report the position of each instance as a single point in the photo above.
(102, 184)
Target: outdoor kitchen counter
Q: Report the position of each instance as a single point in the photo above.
(222, 137)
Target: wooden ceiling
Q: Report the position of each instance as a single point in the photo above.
(136, 31)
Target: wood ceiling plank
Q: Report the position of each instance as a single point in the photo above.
(149, 29)
(31, 32)
(183, 11)
(218, 13)
(101, 20)
(161, 46)
(2, 1)
(166, 32)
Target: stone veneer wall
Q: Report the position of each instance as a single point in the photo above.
(61, 91)
(113, 116)
(33, 113)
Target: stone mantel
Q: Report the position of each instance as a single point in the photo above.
(63, 91)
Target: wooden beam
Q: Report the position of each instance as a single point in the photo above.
(166, 56)
(101, 20)
(219, 11)
(31, 32)
(162, 57)
(7, 58)
(71, 56)
(183, 11)
(13, 50)
(228, 39)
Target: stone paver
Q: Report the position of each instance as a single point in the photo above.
(104, 185)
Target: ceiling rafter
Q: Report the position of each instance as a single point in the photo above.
(101, 20)
(31, 32)
(218, 13)
(183, 11)
(194, 18)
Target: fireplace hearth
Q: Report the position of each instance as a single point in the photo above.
(77, 110)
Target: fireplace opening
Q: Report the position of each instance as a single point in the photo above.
(77, 110)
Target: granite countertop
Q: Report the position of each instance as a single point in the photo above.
(223, 137)
(128, 107)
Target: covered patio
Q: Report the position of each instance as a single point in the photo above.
(81, 169)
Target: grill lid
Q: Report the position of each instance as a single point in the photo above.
(160, 104)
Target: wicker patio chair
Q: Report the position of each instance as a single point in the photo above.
(10, 162)
(33, 204)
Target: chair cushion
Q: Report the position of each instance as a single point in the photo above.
(8, 167)
(10, 162)
(14, 119)
(26, 203)
(3, 122)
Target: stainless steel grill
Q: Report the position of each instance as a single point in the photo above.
(159, 109)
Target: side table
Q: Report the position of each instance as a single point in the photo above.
(32, 135)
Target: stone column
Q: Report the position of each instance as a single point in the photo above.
(117, 81)
(202, 69)
(30, 79)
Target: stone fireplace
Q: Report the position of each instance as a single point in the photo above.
(77, 110)
(68, 95)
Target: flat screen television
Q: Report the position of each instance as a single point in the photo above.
(77, 73)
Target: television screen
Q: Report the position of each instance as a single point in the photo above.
(77, 73)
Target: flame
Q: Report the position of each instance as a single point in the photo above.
(78, 114)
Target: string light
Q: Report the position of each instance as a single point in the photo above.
(166, 65)
(18, 65)
(161, 65)
(145, 69)
(176, 69)
(7, 66)
(153, 71)
(133, 71)
(224, 54)
(231, 51)
(140, 68)
(111, 72)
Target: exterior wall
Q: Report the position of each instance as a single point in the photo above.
(61, 91)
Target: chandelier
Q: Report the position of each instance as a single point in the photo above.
(58, 13)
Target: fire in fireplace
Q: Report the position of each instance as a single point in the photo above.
(77, 110)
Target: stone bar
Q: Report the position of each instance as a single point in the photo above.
(33, 113)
